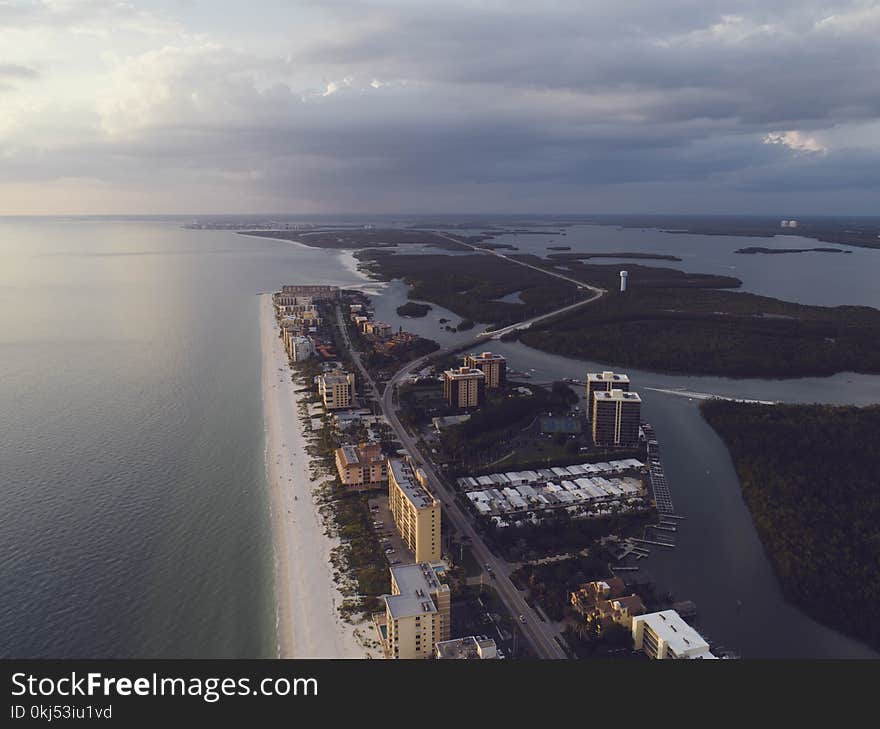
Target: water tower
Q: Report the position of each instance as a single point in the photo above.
(623, 275)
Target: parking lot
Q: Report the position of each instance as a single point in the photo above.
(388, 535)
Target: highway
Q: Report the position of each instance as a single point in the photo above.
(540, 635)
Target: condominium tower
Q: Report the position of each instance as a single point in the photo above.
(415, 511)
(493, 366)
(616, 417)
(598, 381)
(336, 389)
(417, 612)
(464, 387)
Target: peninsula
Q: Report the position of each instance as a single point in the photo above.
(808, 475)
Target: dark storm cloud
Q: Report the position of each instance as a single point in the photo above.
(495, 103)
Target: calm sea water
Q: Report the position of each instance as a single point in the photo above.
(133, 511)
(133, 508)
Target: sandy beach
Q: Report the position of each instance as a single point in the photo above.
(307, 597)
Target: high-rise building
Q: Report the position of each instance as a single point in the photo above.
(616, 418)
(464, 387)
(415, 511)
(597, 381)
(493, 366)
(300, 348)
(417, 612)
(337, 389)
(361, 465)
(665, 635)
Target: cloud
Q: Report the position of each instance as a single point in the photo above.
(387, 105)
(795, 141)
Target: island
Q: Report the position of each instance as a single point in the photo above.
(808, 476)
(413, 310)
(633, 256)
(752, 250)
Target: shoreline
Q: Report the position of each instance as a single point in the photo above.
(307, 594)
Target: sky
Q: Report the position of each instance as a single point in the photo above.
(403, 106)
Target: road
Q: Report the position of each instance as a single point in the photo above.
(540, 635)
(497, 333)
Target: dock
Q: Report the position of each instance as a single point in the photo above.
(651, 541)
(656, 476)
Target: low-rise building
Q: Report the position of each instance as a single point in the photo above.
(377, 328)
(464, 387)
(471, 647)
(361, 465)
(665, 635)
(493, 366)
(417, 612)
(605, 602)
(337, 389)
(415, 511)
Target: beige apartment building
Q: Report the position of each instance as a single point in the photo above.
(417, 612)
(616, 418)
(464, 387)
(602, 381)
(493, 366)
(415, 511)
(361, 465)
(376, 328)
(337, 389)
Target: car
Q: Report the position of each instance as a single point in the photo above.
(522, 618)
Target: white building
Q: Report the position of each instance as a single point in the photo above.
(665, 635)
(301, 348)
(470, 648)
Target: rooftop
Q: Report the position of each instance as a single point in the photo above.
(417, 494)
(335, 378)
(616, 395)
(468, 648)
(361, 454)
(487, 355)
(671, 628)
(464, 373)
(415, 583)
(606, 377)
